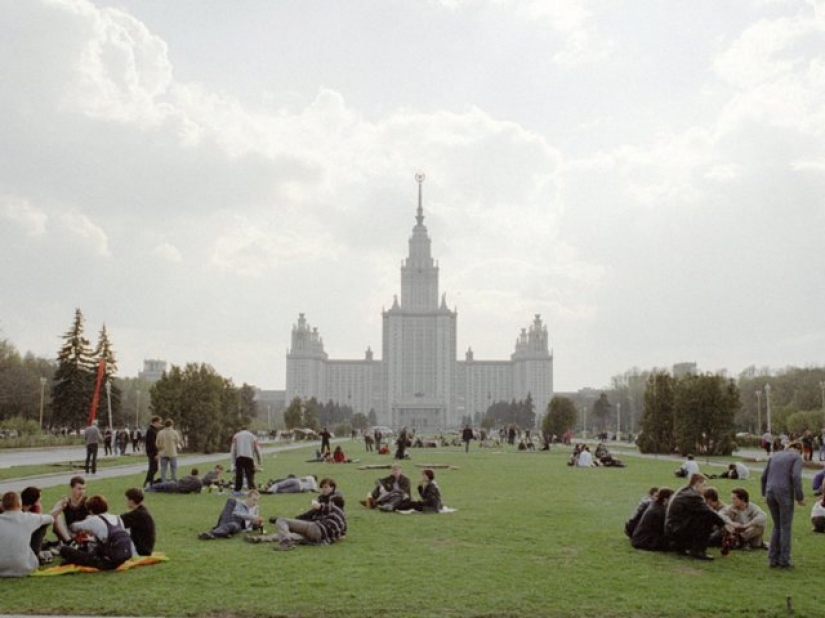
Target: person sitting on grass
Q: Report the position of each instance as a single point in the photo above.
(30, 503)
(816, 483)
(189, 484)
(97, 527)
(630, 524)
(430, 496)
(649, 534)
(327, 525)
(585, 459)
(139, 522)
(338, 455)
(747, 520)
(690, 521)
(688, 468)
(818, 515)
(72, 509)
(389, 490)
(292, 485)
(237, 515)
(17, 559)
(214, 479)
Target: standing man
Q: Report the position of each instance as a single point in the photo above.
(168, 443)
(152, 451)
(244, 447)
(92, 437)
(325, 436)
(781, 484)
(467, 435)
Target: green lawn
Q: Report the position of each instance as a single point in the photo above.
(530, 536)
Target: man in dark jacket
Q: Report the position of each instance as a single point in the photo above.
(152, 451)
(391, 489)
(690, 521)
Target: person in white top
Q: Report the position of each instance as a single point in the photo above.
(585, 459)
(688, 468)
(17, 559)
(818, 515)
(245, 447)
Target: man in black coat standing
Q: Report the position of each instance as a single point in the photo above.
(152, 451)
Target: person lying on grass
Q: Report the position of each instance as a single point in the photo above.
(292, 485)
(237, 515)
(189, 484)
(324, 524)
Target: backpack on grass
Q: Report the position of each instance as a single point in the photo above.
(117, 548)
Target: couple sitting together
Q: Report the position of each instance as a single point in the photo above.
(392, 493)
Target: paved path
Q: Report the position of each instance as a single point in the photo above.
(62, 454)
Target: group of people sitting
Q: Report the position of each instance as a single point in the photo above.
(583, 458)
(394, 493)
(86, 533)
(693, 518)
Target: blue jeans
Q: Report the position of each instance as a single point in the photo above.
(781, 508)
(172, 462)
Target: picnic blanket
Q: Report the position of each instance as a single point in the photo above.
(136, 561)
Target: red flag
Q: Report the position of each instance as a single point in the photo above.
(101, 372)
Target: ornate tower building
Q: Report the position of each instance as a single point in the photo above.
(419, 382)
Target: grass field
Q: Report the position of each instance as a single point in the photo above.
(530, 537)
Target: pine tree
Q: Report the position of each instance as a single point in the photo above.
(104, 351)
(74, 379)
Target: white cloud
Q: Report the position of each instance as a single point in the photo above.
(168, 252)
(20, 212)
(85, 230)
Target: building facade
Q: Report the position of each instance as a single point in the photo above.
(419, 381)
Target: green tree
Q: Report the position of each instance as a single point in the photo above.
(293, 416)
(658, 415)
(561, 416)
(104, 351)
(601, 412)
(359, 421)
(74, 378)
(705, 407)
(207, 408)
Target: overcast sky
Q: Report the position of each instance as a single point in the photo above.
(648, 176)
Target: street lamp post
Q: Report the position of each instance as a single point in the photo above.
(137, 410)
(768, 406)
(109, 405)
(759, 411)
(42, 399)
(822, 388)
(618, 421)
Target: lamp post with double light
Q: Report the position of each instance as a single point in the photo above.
(759, 412)
(768, 406)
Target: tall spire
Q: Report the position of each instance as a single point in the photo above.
(419, 217)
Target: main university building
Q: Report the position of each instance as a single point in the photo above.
(419, 381)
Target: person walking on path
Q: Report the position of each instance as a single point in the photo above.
(781, 484)
(151, 447)
(244, 447)
(92, 438)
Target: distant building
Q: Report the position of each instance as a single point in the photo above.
(419, 382)
(684, 369)
(153, 370)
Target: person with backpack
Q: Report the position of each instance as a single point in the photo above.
(109, 544)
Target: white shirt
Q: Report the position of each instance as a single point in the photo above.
(690, 467)
(585, 460)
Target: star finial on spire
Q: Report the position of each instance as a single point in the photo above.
(419, 178)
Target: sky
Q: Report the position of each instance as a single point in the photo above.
(647, 176)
